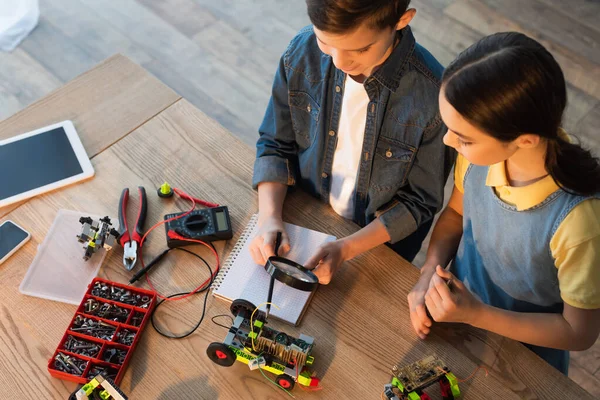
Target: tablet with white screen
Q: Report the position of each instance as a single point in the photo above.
(40, 161)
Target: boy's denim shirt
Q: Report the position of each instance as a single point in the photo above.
(404, 163)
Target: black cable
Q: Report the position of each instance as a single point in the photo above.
(222, 315)
(200, 290)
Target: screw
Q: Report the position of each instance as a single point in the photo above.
(60, 364)
(107, 372)
(115, 356)
(66, 364)
(126, 337)
(137, 318)
(145, 301)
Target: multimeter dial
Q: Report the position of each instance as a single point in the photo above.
(207, 225)
(197, 224)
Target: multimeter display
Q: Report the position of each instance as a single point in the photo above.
(221, 219)
(208, 225)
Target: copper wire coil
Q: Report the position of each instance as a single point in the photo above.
(287, 356)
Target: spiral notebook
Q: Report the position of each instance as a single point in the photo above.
(241, 278)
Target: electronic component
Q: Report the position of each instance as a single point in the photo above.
(96, 235)
(409, 381)
(207, 225)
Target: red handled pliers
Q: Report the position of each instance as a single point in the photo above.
(132, 243)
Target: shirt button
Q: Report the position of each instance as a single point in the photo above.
(308, 108)
(338, 89)
(388, 153)
(323, 175)
(331, 133)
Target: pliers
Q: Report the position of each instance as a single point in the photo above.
(131, 244)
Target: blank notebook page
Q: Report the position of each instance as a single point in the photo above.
(241, 278)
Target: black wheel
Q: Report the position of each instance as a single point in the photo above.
(285, 382)
(242, 306)
(220, 354)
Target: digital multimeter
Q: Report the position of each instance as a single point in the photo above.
(208, 225)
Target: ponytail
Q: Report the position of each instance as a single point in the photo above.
(572, 167)
(508, 84)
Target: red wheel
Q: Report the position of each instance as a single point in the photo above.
(221, 354)
(285, 382)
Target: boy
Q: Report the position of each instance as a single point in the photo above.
(353, 119)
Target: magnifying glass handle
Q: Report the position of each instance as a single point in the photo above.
(272, 283)
(270, 297)
(277, 243)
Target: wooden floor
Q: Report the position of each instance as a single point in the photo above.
(221, 56)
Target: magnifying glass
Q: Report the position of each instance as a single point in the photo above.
(289, 273)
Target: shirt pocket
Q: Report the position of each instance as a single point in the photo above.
(391, 164)
(305, 117)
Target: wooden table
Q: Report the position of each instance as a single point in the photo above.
(139, 132)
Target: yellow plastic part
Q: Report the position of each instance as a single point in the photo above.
(89, 387)
(258, 324)
(304, 379)
(413, 396)
(165, 188)
(453, 384)
(246, 358)
(396, 382)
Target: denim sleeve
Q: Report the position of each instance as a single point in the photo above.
(276, 148)
(423, 195)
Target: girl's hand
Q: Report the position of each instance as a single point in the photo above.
(263, 245)
(448, 300)
(328, 259)
(416, 303)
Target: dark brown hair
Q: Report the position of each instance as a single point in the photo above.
(341, 16)
(508, 84)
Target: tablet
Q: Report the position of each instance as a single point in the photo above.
(40, 161)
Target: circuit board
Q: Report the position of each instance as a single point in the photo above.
(420, 374)
(285, 340)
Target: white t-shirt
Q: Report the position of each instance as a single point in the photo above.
(346, 159)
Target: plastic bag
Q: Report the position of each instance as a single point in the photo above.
(17, 20)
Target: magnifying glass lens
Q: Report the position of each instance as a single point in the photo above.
(292, 271)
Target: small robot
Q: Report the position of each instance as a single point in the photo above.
(265, 348)
(408, 382)
(96, 235)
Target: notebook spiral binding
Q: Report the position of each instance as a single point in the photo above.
(234, 253)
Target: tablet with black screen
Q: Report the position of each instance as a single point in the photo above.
(40, 161)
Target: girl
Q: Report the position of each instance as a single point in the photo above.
(523, 221)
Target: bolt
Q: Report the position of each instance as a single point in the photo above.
(60, 364)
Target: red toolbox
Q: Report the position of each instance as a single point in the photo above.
(103, 333)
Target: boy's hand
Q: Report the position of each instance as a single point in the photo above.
(416, 303)
(448, 300)
(263, 245)
(327, 260)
